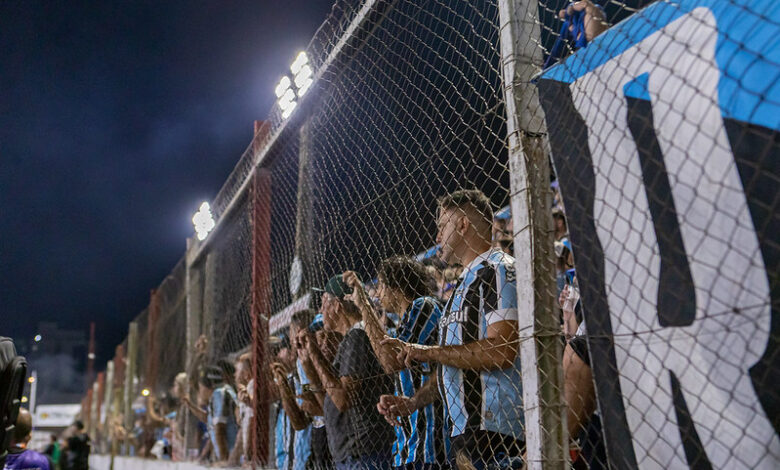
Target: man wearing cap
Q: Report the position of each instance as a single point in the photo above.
(358, 436)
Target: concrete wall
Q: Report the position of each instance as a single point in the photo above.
(103, 462)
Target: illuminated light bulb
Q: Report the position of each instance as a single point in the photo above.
(287, 111)
(304, 87)
(303, 75)
(300, 61)
(284, 85)
(289, 96)
(203, 221)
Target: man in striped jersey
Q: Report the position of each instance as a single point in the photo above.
(405, 288)
(479, 374)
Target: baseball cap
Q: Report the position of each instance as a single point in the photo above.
(560, 245)
(213, 373)
(280, 340)
(335, 287)
(317, 323)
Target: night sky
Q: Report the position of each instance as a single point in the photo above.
(116, 120)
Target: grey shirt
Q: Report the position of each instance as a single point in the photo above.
(360, 430)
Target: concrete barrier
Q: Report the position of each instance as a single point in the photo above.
(103, 462)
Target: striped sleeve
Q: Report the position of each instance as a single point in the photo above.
(505, 302)
(429, 333)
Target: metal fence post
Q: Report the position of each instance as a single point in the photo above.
(117, 398)
(108, 405)
(261, 311)
(541, 347)
(304, 245)
(194, 302)
(132, 352)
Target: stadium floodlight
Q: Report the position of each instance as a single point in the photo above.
(283, 86)
(286, 96)
(302, 72)
(286, 112)
(37, 338)
(303, 79)
(203, 221)
(300, 61)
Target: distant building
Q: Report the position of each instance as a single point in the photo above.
(59, 355)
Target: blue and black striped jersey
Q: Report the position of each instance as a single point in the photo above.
(486, 400)
(420, 439)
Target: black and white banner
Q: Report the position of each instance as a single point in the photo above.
(665, 134)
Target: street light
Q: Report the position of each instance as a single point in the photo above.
(203, 221)
(33, 379)
(145, 392)
(37, 338)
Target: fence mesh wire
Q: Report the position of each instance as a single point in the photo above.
(597, 289)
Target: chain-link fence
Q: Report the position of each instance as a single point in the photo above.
(483, 234)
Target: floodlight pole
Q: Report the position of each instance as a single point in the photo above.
(541, 349)
(194, 305)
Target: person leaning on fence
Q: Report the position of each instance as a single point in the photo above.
(242, 377)
(299, 402)
(283, 432)
(300, 420)
(220, 413)
(479, 374)
(222, 407)
(405, 287)
(178, 391)
(582, 420)
(358, 436)
(584, 423)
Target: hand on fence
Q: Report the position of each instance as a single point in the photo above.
(201, 345)
(394, 407)
(280, 373)
(309, 403)
(242, 393)
(408, 353)
(305, 343)
(595, 21)
(358, 295)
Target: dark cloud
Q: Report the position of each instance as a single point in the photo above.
(116, 120)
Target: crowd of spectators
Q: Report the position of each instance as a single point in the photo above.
(417, 369)
(441, 386)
